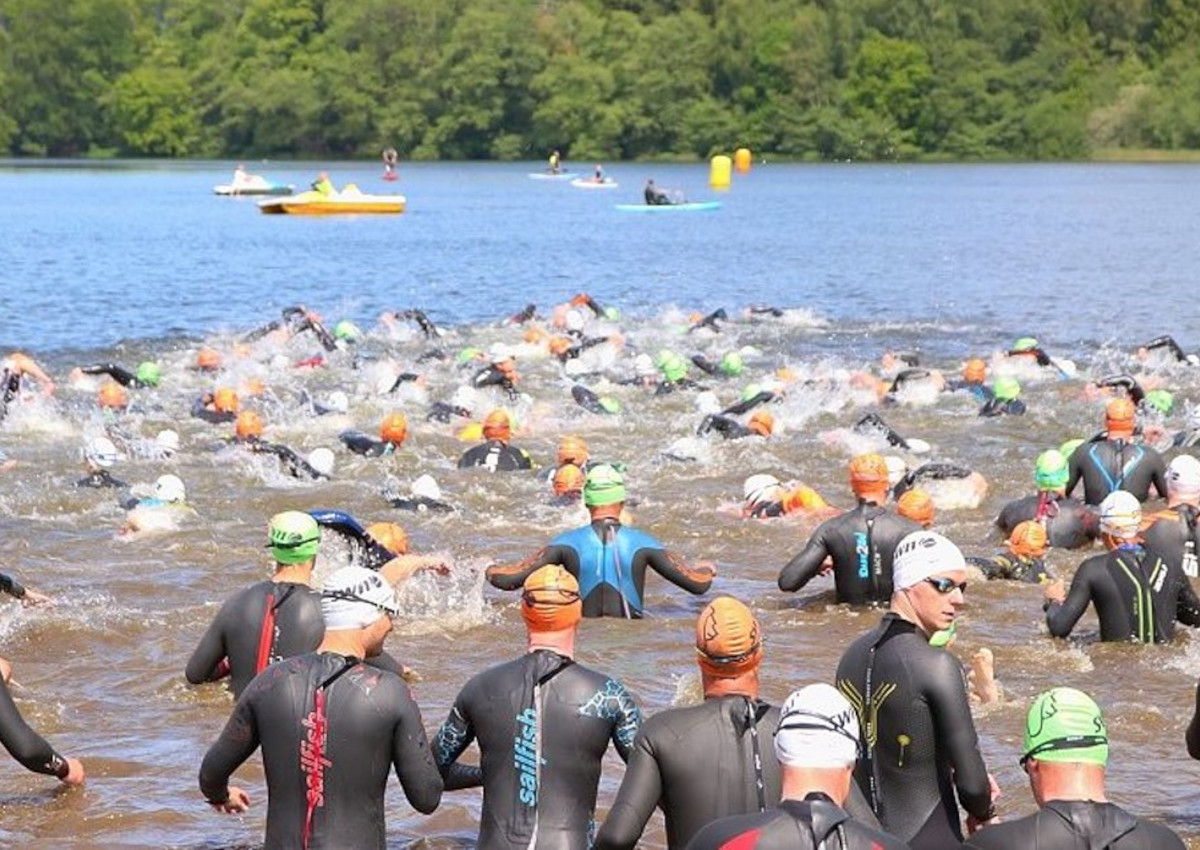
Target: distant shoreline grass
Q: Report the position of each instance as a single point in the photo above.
(1144, 155)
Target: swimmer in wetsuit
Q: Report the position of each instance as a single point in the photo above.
(501, 372)
(331, 724)
(920, 749)
(1066, 753)
(1168, 344)
(543, 723)
(392, 433)
(424, 495)
(729, 366)
(1023, 561)
(764, 497)
(1069, 523)
(593, 403)
(761, 424)
(973, 376)
(100, 455)
(609, 559)
(1172, 533)
(13, 369)
(148, 374)
(860, 542)
(496, 455)
(1138, 594)
(873, 424)
(217, 408)
(1116, 462)
(28, 747)
(816, 744)
(673, 369)
(1005, 399)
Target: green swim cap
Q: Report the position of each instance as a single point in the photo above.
(751, 391)
(149, 373)
(466, 355)
(604, 485)
(1068, 448)
(1006, 388)
(732, 365)
(347, 330)
(672, 366)
(1025, 343)
(295, 537)
(612, 314)
(1160, 400)
(610, 404)
(1065, 725)
(1051, 470)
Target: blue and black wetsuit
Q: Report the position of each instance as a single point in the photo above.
(610, 561)
(1115, 464)
(543, 724)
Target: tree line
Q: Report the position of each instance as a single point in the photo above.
(599, 79)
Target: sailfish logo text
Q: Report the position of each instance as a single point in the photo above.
(525, 756)
(312, 757)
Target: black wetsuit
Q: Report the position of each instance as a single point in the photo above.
(496, 456)
(403, 378)
(1076, 825)
(937, 471)
(1069, 523)
(610, 561)
(814, 823)
(423, 322)
(861, 543)
(22, 743)
(996, 407)
(331, 728)
(122, 376)
(667, 387)
(543, 724)
(1114, 464)
(980, 392)
(1038, 355)
(710, 321)
(873, 423)
(212, 417)
(918, 736)
(11, 586)
(705, 365)
(1173, 535)
(1138, 596)
(908, 376)
(100, 478)
(728, 428)
(1013, 568)
(1127, 383)
(420, 504)
(365, 444)
(441, 411)
(588, 400)
(295, 465)
(656, 197)
(524, 315)
(746, 405)
(1172, 346)
(490, 376)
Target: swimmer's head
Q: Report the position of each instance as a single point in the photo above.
(672, 367)
(559, 345)
(101, 453)
(643, 366)
(337, 402)
(1006, 388)
(347, 331)
(1051, 471)
(356, 598)
(975, 372)
(1065, 725)
(208, 360)
(568, 480)
(762, 487)
(728, 639)
(603, 486)
(321, 459)
(1025, 343)
(921, 555)
(394, 429)
(1160, 401)
(1120, 417)
(572, 450)
(149, 374)
(225, 400)
(917, 506)
(167, 441)
(731, 364)
(1028, 540)
(170, 489)
(818, 728)
(550, 600)
(497, 426)
(426, 488)
(1120, 516)
(390, 536)
(112, 396)
(248, 426)
(1183, 479)
(294, 537)
(869, 476)
(762, 423)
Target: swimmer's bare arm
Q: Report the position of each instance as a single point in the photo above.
(403, 567)
(27, 365)
(238, 741)
(412, 758)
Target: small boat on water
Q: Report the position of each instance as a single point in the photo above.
(254, 187)
(553, 175)
(693, 206)
(349, 201)
(593, 183)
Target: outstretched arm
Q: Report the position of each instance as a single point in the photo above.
(694, 579)
(511, 577)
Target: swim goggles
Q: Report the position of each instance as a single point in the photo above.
(944, 585)
(820, 723)
(1071, 742)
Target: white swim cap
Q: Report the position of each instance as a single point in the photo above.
(338, 402)
(923, 554)
(643, 366)
(574, 320)
(896, 469)
(355, 597)
(426, 488)
(170, 489)
(321, 459)
(465, 397)
(1183, 477)
(500, 352)
(817, 728)
(1120, 515)
(757, 487)
(167, 441)
(101, 452)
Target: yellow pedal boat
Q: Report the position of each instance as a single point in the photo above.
(349, 201)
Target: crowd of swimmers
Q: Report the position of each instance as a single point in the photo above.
(884, 754)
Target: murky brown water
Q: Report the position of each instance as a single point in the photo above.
(101, 674)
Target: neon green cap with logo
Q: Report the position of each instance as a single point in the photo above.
(604, 485)
(295, 537)
(1065, 725)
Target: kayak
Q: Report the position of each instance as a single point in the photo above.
(593, 183)
(546, 175)
(693, 206)
(263, 188)
(349, 201)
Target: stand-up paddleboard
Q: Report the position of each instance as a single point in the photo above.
(593, 183)
(547, 175)
(695, 206)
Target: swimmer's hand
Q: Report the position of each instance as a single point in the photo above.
(237, 802)
(826, 566)
(1055, 591)
(33, 598)
(5, 670)
(75, 774)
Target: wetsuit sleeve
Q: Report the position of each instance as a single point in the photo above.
(451, 740)
(627, 721)
(947, 695)
(1060, 619)
(202, 666)
(1159, 477)
(676, 570)
(122, 376)
(749, 404)
(413, 759)
(1193, 730)
(11, 586)
(512, 577)
(238, 741)
(25, 745)
(640, 791)
(801, 569)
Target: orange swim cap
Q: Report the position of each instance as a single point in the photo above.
(975, 372)
(497, 426)
(390, 536)
(803, 498)
(868, 474)
(728, 639)
(249, 424)
(208, 360)
(394, 429)
(1028, 540)
(113, 396)
(533, 336)
(762, 423)
(559, 345)
(226, 401)
(572, 450)
(917, 506)
(1119, 417)
(568, 480)
(550, 600)
(253, 387)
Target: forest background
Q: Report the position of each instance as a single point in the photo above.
(601, 79)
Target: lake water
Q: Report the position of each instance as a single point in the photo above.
(128, 261)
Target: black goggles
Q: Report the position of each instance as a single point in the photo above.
(820, 723)
(383, 608)
(294, 544)
(1071, 742)
(945, 585)
(731, 659)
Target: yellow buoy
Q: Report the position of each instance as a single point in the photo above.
(742, 160)
(721, 171)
